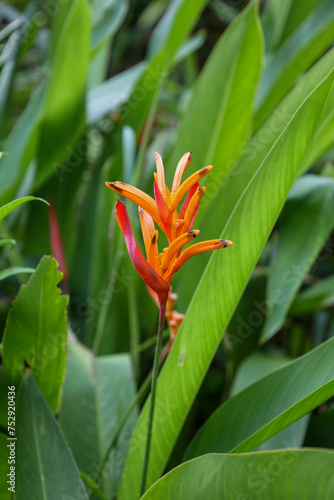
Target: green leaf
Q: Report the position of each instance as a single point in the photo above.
(295, 56)
(289, 474)
(233, 184)
(177, 20)
(112, 93)
(184, 17)
(7, 242)
(253, 368)
(318, 296)
(280, 18)
(324, 138)
(35, 333)
(12, 271)
(45, 468)
(108, 16)
(20, 147)
(7, 209)
(97, 392)
(221, 287)
(216, 124)
(305, 225)
(63, 115)
(273, 403)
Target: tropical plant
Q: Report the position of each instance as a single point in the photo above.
(243, 404)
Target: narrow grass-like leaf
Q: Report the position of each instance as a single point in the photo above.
(45, 467)
(304, 474)
(305, 225)
(12, 271)
(221, 287)
(108, 16)
(7, 209)
(273, 403)
(7, 242)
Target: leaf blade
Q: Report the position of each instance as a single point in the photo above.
(208, 315)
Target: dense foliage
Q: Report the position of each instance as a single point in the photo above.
(89, 90)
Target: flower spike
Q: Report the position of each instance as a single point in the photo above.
(158, 268)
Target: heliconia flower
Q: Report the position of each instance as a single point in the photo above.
(158, 269)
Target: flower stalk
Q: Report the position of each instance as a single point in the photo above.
(158, 268)
(157, 355)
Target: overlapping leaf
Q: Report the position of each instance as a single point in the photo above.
(273, 403)
(45, 466)
(221, 287)
(289, 474)
(97, 392)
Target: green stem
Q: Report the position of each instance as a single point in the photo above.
(158, 349)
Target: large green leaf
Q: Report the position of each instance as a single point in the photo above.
(221, 287)
(45, 466)
(7, 209)
(184, 18)
(235, 181)
(294, 57)
(216, 124)
(306, 222)
(35, 333)
(273, 403)
(289, 474)
(63, 115)
(97, 392)
(254, 367)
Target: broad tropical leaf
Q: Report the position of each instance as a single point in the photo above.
(273, 403)
(45, 466)
(305, 225)
(97, 392)
(221, 288)
(289, 474)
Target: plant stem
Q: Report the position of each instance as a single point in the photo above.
(157, 354)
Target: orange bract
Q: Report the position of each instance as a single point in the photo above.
(160, 267)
